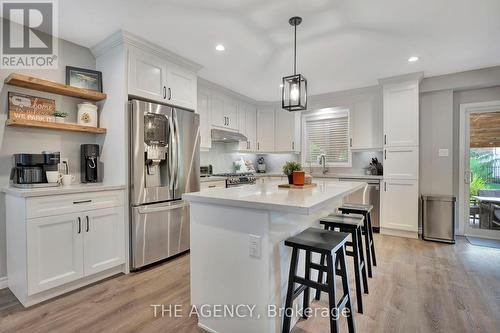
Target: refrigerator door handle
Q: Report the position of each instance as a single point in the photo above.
(147, 210)
(177, 139)
(172, 144)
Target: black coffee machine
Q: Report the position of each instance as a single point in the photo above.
(91, 169)
(28, 170)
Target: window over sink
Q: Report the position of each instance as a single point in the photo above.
(326, 132)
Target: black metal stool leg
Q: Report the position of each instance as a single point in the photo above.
(307, 291)
(289, 293)
(368, 248)
(372, 248)
(357, 270)
(362, 260)
(320, 277)
(345, 286)
(330, 275)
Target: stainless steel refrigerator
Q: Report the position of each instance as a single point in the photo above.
(164, 164)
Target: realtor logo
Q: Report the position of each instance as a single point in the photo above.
(29, 34)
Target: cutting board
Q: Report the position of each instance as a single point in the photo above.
(296, 186)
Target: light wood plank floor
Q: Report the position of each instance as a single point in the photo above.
(418, 286)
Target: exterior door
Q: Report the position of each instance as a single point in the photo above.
(186, 152)
(147, 76)
(54, 251)
(104, 239)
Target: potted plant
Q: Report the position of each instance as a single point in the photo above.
(59, 116)
(288, 169)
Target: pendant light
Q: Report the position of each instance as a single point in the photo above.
(294, 87)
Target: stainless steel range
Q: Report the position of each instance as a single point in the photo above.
(238, 179)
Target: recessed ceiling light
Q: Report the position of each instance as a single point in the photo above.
(413, 59)
(220, 47)
(281, 85)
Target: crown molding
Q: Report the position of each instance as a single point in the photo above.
(126, 38)
(417, 76)
(204, 83)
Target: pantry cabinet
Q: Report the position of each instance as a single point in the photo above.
(265, 129)
(155, 78)
(57, 243)
(399, 199)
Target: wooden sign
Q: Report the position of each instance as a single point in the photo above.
(28, 107)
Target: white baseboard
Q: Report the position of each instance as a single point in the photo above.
(3, 282)
(399, 233)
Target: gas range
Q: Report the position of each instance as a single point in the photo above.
(238, 179)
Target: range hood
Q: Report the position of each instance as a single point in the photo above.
(219, 135)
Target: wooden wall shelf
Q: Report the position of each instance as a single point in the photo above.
(55, 126)
(34, 83)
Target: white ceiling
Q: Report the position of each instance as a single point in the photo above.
(342, 44)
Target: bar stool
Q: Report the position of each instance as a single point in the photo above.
(331, 244)
(364, 210)
(351, 224)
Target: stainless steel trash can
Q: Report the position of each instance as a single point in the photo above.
(438, 218)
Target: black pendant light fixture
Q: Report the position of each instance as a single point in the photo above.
(294, 87)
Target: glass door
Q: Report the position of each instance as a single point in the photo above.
(482, 174)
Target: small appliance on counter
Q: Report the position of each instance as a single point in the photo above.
(206, 170)
(91, 170)
(29, 170)
(261, 165)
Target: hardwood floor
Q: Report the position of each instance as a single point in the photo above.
(418, 286)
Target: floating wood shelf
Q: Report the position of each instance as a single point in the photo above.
(34, 83)
(55, 126)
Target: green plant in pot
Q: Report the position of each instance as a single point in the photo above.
(288, 169)
(59, 116)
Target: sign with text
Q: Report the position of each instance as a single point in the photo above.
(28, 107)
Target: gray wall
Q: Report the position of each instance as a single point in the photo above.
(27, 140)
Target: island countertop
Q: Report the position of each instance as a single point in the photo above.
(268, 196)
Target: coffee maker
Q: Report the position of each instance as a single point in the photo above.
(89, 163)
(29, 170)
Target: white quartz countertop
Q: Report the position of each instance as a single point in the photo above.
(268, 196)
(77, 188)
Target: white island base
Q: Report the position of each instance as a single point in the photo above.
(238, 256)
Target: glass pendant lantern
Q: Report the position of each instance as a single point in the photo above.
(294, 87)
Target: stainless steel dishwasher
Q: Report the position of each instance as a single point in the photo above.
(368, 195)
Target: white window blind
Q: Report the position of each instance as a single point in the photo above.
(328, 135)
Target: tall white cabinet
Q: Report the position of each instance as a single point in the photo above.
(399, 195)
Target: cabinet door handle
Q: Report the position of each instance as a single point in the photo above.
(79, 225)
(228, 121)
(350, 142)
(385, 187)
(293, 145)
(164, 92)
(385, 154)
(212, 186)
(258, 145)
(169, 93)
(88, 224)
(81, 202)
(385, 139)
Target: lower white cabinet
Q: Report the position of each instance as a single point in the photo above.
(399, 207)
(213, 184)
(51, 251)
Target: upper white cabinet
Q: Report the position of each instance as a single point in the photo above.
(247, 117)
(366, 125)
(203, 109)
(147, 75)
(155, 78)
(401, 162)
(265, 129)
(401, 115)
(287, 131)
(224, 112)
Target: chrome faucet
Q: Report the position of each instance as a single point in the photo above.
(322, 161)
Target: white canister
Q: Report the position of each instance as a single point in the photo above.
(87, 114)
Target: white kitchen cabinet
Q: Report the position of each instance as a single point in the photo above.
(181, 87)
(154, 78)
(57, 243)
(401, 114)
(213, 184)
(366, 125)
(203, 109)
(103, 241)
(399, 207)
(401, 162)
(265, 129)
(284, 131)
(54, 251)
(147, 75)
(224, 112)
(247, 117)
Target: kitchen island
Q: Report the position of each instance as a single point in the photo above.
(239, 264)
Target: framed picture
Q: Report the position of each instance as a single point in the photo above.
(84, 78)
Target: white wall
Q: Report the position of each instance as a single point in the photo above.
(27, 140)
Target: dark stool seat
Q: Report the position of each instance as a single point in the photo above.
(331, 245)
(364, 210)
(352, 224)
